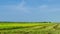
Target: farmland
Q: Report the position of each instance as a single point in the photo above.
(29, 28)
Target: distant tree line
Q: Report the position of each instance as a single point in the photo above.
(22, 22)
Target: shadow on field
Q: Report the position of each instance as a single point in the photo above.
(12, 28)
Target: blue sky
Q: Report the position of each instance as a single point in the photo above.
(30, 10)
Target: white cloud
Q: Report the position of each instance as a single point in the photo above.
(49, 8)
(23, 7)
(43, 7)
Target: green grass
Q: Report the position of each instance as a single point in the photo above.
(29, 28)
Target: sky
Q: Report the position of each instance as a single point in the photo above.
(30, 10)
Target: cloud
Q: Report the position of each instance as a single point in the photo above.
(23, 7)
(44, 6)
(49, 8)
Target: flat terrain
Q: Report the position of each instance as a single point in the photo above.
(29, 28)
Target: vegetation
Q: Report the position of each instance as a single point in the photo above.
(29, 28)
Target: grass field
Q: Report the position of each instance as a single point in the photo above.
(29, 28)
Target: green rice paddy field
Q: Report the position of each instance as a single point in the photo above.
(29, 28)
